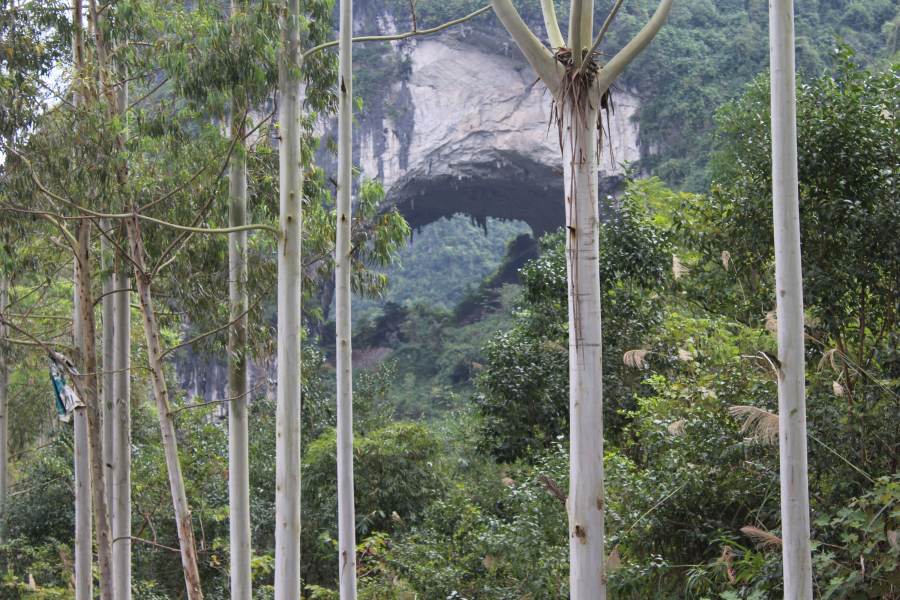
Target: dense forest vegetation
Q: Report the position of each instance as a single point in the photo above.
(461, 336)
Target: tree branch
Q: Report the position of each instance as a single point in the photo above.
(603, 29)
(218, 329)
(189, 406)
(401, 36)
(551, 25)
(540, 59)
(627, 54)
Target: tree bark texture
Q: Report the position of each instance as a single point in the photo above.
(121, 523)
(91, 388)
(288, 585)
(238, 448)
(789, 303)
(183, 520)
(343, 316)
(84, 580)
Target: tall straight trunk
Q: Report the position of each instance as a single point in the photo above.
(4, 409)
(121, 521)
(288, 584)
(84, 580)
(789, 294)
(121, 485)
(238, 447)
(106, 396)
(91, 387)
(586, 500)
(578, 95)
(343, 316)
(183, 520)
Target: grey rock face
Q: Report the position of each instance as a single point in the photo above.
(467, 130)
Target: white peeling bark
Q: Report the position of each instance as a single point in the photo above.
(789, 298)
(238, 448)
(121, 523)
(586, 501)
(343, 316)
(288, 585)
(91, 399)
(84, 581)
(121, 520)
(4, 409)
(183, 521)
(107, 399)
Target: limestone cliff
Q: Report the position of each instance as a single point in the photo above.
(464, 128)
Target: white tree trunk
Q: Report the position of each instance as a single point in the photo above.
(586, 501)
(155, 366)
(121, 521)
(789, 295)
(4, 409)
(106, 348)
(91, 389)
(343, 316)
(238, 450)
(84, 581)
(288, 585)
(122, 439)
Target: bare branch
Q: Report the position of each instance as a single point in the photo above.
(401, 36)
(551, 25)
(190, 406)
(540, 59)
(627, 54)
(606, 24)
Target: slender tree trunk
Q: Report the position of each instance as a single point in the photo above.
(91, 389)
(121, 522)
(106, 397)
(238, 450)
(343, 316)
(122, 439)
(166, 419)
(84, 581)
(288, 585)
(789, 295)
(586, 500)
(4, 408)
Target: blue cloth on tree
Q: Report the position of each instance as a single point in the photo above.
(66, 400)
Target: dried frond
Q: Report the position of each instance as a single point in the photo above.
(678, 269)
(635, 359)
(613, 562)
(677, 427)
(551, 345)
(893, 538)
(491, 562)
(395, 517)
(726, 258)
(829, 357)
(772, 322)
(763, 424)
(507, 481)
(762, 539)
(553, 489)
(838, 388)
(684, 355)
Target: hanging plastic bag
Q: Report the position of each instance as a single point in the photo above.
(66, 399)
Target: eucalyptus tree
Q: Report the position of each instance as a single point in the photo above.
(343, 315)
(580, 88)
(789, 302)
